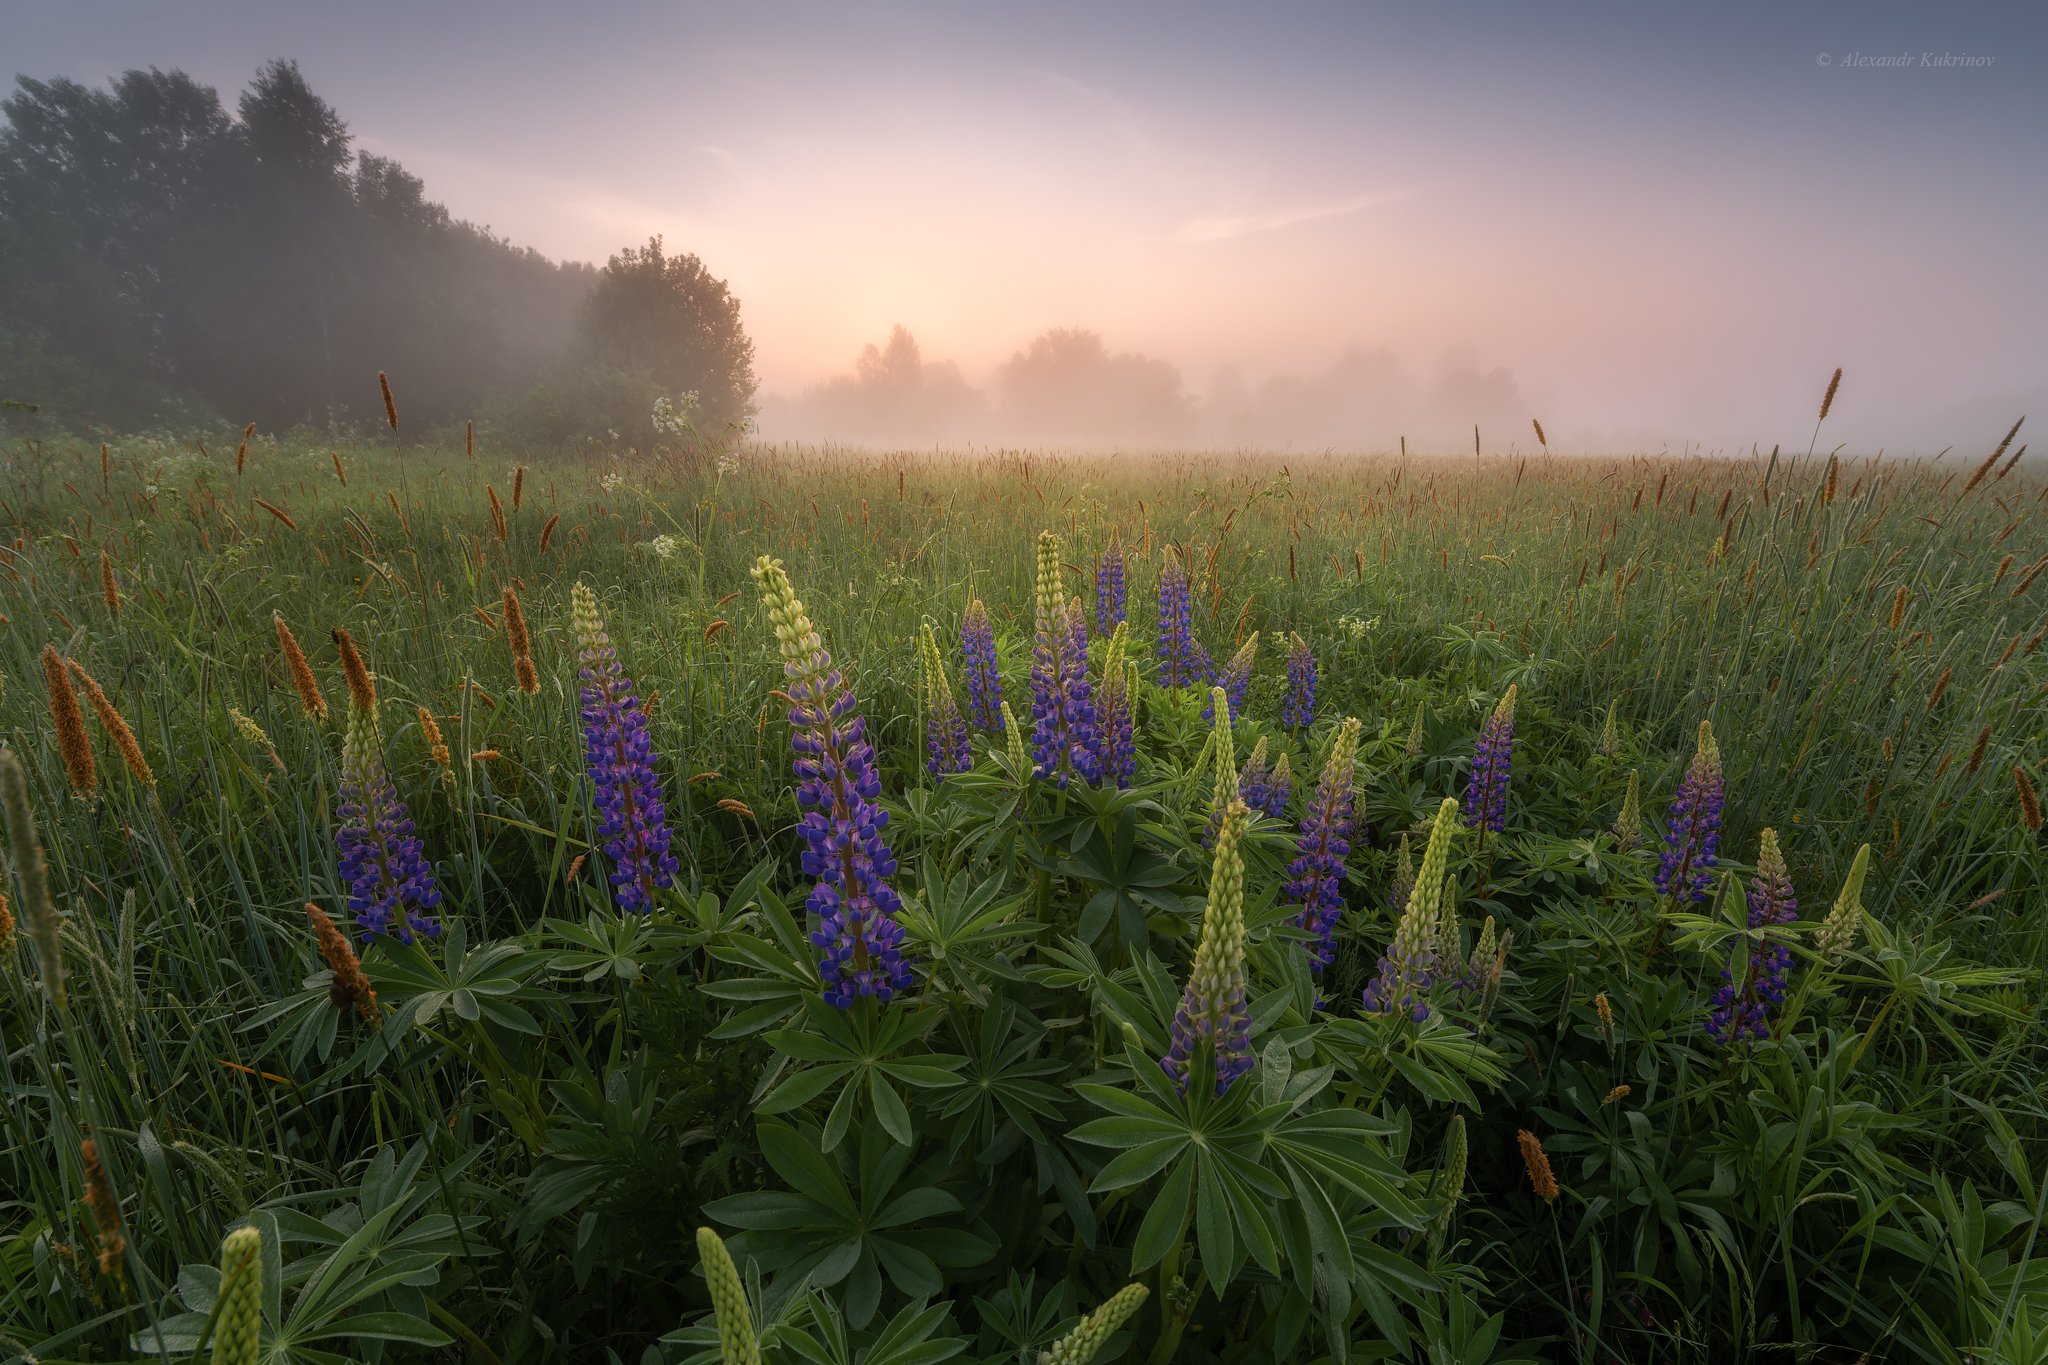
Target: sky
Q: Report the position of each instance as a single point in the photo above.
(1669, 223)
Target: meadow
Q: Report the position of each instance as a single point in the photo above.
(1637, 956)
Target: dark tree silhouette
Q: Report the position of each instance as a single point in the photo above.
(668, 318)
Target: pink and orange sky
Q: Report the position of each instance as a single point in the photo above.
(1668, 223)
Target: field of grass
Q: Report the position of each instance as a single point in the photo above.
(506, 1155)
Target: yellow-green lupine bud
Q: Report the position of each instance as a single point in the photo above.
(1048, 592)
(1456, 1155)
(1223, 754)
(1610, 737)
(1214, 1015)
(239, 1310)
(1628, 826)
(1489, 986)
(737, 1344)
(1013, 733)
(1409, 960)
(1079, 1346)
(1837, 934)
(803, 653)
(1450, 942)
(1709, 748)
(34, 875)
(1414, 746)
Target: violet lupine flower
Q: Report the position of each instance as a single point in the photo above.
(947, 749)
(1692, 836)
(1486, 799)
(1118, 696)
(1235, 677)
(1315, 879)
(619, 757)
(391, 884)
(1182, 660)
(1213, 1016)
(1265, 786)
(1065, 736)
(1409, 964)
(1742, 1010)
(1109, 589)
(858, 936)
(984, 686)
(1298, 706)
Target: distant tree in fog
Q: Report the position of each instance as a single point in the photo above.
(1066, 386)
(893, 396)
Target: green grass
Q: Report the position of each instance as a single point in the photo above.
(549, 1140)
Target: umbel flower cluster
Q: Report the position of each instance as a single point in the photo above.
(843, 824)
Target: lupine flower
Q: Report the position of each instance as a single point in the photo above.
(843, 824)
(984, 686)
(1610, 738)
(391, 884)
(238, 1319)
(1079, 1346)
(1214, 1017)
(737, 1344)
(945, 730)
(1487, 965)
(1456, 1156)
(1448, 945)
(1837, 933)
(1486, 799)
(1298, 707)
(1692, 837)
(1628, 825)
(1119, 697)
(1741, 1010)
(1409, 964)
(619, 756)
(1235, 677)
(1182, 660)
(1315, 879)
(1109, 589)
(1403, 884)
(1065, 738)
(1020, 761)
(1219, 756)
(1413, 748)
(1265, 787)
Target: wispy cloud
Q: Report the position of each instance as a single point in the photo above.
(1223, 228)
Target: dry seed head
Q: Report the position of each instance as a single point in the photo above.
(1540, 440)
(349, 989)
(117, 728)
(390, 405)
(2030, 800)
(1617, 1095)
(69, 721)
(547, 532)
(362, 688)
(106, 1210)
(110, 587)
(521, 644)
(275, 511)
(339, 472)
(303, 681)
(1828, 399)
(518, 486)
(1537, 1162)
(497, 512)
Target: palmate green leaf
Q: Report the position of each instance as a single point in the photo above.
(1164, 1219)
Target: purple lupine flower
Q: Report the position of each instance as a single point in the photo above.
(1065, 736)
(1182, 660)
(1298, 706)
(858, 937)
(984, 686)
(391, 884)
(1692, 836)
(1265, 786)
(947, 749)
(1315, 879)
(1741, 1011)
(619, 756)
(1214, 1016)
(1235, 678)
(1486, 799)
(1109, 589)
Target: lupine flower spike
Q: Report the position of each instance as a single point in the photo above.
(1409, 964)
(1403, 884)
(737, 1344)
(945, 730)
(1413, 748)
(1741, 1010)
(1065, 739)
(1079, 1346)
(1118, 710)
(391, 886)
(1298, 707)
(843, 823)
(1628, 826)
(1182, 660)
(1486, 799)
(1610, 738)
(1255, 777)
(1837, 933)
(619, 757)
(1456, 1156)
(1235, 677)
(1020, 759)
(984, 687)
(1315, 879)
(1214, 1017)
(1220, 753)
(1109, 589)
(239, 1309)
(1692, 838)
